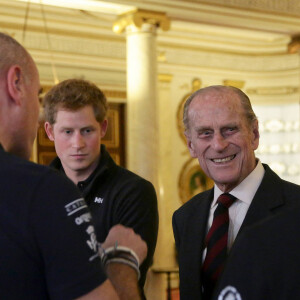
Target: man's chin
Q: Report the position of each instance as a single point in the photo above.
(79, 166)
(226, 183)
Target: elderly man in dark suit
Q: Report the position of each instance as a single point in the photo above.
(222, 132)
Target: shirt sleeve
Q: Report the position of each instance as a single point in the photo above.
(137, 209)
(62, 227)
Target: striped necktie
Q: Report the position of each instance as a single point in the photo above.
(216, 245)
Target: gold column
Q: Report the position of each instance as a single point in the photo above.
(143, 114)
(167, 205)
(142, 123)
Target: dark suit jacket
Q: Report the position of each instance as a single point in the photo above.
(274, 195)
(265, 262)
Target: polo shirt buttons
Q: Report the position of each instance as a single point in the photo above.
(80, 185)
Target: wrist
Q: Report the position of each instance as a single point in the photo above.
(125, 281)
(120, 255)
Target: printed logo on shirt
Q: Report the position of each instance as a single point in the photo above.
(92, 242)
(229, 293)
(75, 206)
(98, 200)
(85, 218)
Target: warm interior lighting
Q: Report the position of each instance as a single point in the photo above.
(90, 5)
(117, 28)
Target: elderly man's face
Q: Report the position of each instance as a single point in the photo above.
(221, 138)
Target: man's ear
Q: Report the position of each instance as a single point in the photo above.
(103, 127)
(255, 135)
(190, 144)
(191, 148)
(49, 130)
(14, 83)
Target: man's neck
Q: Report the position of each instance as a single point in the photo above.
(77, 176)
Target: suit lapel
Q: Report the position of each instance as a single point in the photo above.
(197, 224)
(192, 244)
(267, 198)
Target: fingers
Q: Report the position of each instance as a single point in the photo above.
(126, 237)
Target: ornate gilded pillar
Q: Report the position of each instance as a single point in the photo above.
(143, 109)
(167, 205)
(142, 122)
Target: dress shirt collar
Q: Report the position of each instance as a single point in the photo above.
(246, 190)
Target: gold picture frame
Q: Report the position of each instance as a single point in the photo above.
(192, 180)
(196, 84)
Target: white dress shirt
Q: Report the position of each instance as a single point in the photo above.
(244, 193)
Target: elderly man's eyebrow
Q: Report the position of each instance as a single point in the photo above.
(202, 128)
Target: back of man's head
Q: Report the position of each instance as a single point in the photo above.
(12, 53)
(74, 94)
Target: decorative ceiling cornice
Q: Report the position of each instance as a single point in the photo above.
(291, 7)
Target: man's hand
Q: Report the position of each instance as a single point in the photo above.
(126, 237)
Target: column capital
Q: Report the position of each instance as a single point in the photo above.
(140, 17)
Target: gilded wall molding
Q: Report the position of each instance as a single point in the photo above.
(165, 77)
(235, 83)
(275, 90)
(294, 45)
(260, 64)
(115, 94)
(196, 85)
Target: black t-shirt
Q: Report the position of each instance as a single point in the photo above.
(48, 247)
(117, 196)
